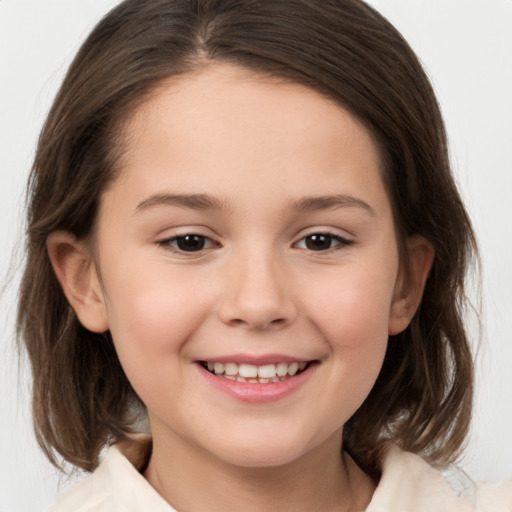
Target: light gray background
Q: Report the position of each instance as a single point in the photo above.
(466, 46)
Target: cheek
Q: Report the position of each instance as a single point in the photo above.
(352, 318)
(150, 326)
(356, 303)
(151, 313)
(352, 312)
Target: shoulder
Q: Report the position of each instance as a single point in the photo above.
(409, 483)
(496, 497)
(116, 484)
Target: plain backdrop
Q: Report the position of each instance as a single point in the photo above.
(466, 47)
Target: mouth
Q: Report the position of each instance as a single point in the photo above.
(253, 374)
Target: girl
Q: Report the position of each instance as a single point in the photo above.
(236, 209)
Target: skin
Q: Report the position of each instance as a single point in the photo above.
(260, 149)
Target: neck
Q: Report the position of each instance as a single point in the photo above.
(322, 479)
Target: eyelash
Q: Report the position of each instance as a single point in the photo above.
(167, 243)
(340, 243)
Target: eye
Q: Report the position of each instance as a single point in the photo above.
(322, 242)
(188, 243)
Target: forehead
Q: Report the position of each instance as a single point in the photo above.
(224, 125)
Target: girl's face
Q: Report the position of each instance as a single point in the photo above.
(249, 235)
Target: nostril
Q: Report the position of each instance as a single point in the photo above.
(258, 325)
(256, 308)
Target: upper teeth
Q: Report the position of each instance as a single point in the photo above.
(267, 371)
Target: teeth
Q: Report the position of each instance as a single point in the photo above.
(230, 368)
(281, 369)
(247, 370)
(267, 372)
(253, 374)
(292, 369)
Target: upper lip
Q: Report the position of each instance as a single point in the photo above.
(256, 360)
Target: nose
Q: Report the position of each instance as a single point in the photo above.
(257, 294)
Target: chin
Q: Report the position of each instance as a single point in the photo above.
(262, 457)
(261, 451)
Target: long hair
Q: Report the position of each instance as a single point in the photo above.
(348, 52)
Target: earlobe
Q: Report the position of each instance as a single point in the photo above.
(411, 283)
(73, 264)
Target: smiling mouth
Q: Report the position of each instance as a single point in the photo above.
(252, 374)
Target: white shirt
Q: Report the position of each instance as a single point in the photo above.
(407, 484)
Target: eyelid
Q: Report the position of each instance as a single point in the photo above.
(165, 242)
(335, 234)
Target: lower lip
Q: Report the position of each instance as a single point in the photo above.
(258, 393)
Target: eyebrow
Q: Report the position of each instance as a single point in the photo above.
(202, 202)
(318, 203)
(198, 202)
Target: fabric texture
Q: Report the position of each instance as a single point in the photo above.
(408, 484)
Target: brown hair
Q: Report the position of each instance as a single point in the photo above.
(342, 48)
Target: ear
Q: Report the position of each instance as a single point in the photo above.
(73, 263)
(410, 283)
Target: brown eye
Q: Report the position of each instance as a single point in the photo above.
(190, 243)
(187, 243)
(319, 242)
(322, 242)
